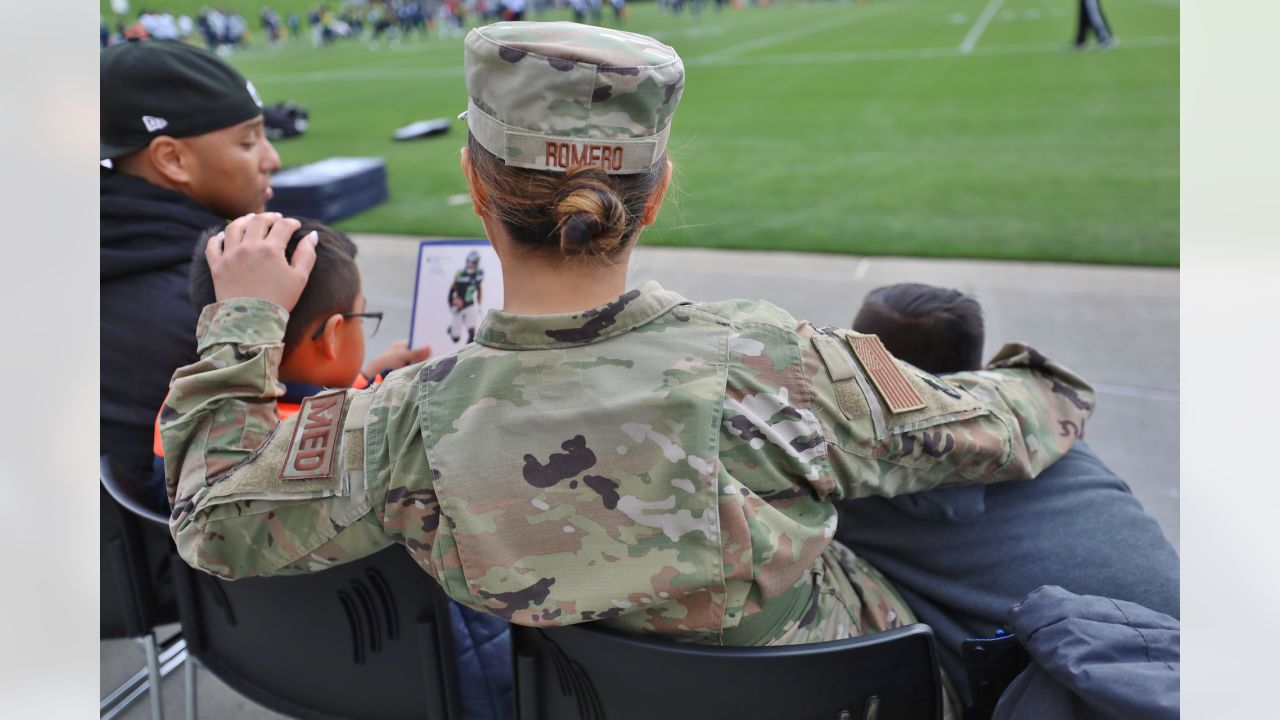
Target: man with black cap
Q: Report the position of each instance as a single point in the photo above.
(184, 133)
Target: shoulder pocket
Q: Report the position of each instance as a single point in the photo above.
(316, 454)
(869, 392)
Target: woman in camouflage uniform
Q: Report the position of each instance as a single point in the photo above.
(633, 457)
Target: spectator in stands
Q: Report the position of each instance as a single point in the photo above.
(324, 340)
(324, 348)
(652, 428)
(963, 556)
(183, 131)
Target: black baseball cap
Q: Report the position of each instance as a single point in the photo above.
(166, 87)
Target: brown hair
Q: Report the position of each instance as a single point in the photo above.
(581, 212)
(331, 287)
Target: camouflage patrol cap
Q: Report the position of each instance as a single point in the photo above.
(549, 96)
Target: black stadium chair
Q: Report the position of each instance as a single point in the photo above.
(368, 639)
(593, 674)
(134, 546)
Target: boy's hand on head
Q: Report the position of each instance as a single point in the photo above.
(247, 260)
(397, 356)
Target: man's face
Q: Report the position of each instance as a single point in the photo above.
(231, 168)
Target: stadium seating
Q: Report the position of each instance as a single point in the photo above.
(589, 673)
(129, 537)
(368, 639)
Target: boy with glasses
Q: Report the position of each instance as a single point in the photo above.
(324, 342)
(324, 339)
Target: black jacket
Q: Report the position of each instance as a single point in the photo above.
(147, 322)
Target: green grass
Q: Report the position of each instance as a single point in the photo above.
(832, 127)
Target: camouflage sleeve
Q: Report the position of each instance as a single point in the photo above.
(251, 495)
(893, 429)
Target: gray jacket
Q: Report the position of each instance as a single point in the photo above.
(1092, 657)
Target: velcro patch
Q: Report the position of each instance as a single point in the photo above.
(311, 452)
(836, 360)
(888, 377)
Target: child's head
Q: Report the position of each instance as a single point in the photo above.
(322, 344)
(936, 329)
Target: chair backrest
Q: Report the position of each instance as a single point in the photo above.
(132, 545)
(129, 492)
(367, 639)
(593, 674)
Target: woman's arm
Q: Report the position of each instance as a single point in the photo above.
(894, 429)
(252, 496)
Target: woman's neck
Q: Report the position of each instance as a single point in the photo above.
(533, 285)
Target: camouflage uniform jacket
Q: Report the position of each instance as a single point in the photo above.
(664, 465)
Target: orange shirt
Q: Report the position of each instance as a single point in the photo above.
(284, 409)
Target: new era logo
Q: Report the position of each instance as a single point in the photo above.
(154, 123)
(253, 93)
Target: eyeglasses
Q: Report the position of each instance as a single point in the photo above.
(370, 329)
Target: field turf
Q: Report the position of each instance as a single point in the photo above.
(964, 128)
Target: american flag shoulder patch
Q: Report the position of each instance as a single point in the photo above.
(890, 381)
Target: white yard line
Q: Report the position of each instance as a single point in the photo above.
(861, 270)
(938, 53)
(358, 74)
(861, 13)
(980, 26)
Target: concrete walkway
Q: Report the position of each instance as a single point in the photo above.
(1117, 327)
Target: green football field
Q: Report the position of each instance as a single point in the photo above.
(963, 128)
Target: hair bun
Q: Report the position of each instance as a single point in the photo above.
(589, 215)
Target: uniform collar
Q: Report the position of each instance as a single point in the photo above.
(508, 331)
(296, 392)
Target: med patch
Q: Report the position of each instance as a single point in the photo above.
(312, 449)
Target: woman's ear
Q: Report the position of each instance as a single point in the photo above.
(477, 192)
(654, 203)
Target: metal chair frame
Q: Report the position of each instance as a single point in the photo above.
(126, 568)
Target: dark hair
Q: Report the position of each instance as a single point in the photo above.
(936, 329)
(331, 288)
(583, 211)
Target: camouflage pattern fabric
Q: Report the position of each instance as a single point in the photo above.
(549, 96)
(665, 466)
